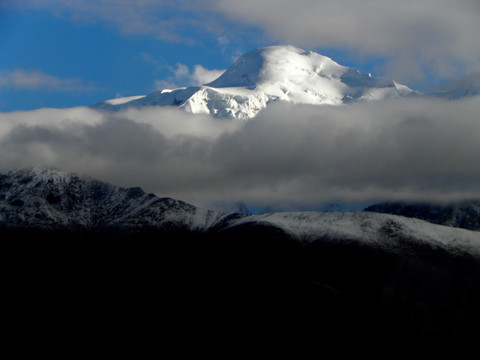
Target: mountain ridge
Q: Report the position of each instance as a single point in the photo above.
(269, 74)
(53, 200)
(102, 250)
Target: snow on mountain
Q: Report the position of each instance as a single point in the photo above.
(391, 233)
(465, 214)
(51, 199)
(339, 273)
(270, 74)
(48, 199)
(123, 100)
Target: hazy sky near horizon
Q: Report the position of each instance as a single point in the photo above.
(56, 53)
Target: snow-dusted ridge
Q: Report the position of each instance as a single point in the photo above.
(462, 214)
(327, 275)
(382, 231)
(265, 75)
(52, 199)
(48, 199)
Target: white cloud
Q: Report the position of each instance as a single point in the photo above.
(36, 80)
(148, 58)
(165, 84)
(202, 75)
(437, 36)
(290, 155)
(181, 71)
(182, 76)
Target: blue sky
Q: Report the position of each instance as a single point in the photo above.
(67, 53)
(54, 60)
(81, 63)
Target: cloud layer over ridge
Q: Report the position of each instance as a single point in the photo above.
(288, 156)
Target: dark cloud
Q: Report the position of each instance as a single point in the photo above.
(290, 155)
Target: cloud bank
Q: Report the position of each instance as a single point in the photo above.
(181, 74)
(290, 156)
(416, 37)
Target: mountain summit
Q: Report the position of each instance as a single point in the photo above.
(270, 74)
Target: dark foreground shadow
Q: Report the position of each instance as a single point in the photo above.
(236, 288)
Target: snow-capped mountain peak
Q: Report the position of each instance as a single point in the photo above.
(287, 73)
(277, 64)
(269, 74)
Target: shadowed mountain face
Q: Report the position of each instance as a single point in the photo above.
(463, 88)
(198, 275)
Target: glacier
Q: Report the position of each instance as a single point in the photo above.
(266, 75)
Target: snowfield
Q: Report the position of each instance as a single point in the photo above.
(262, 76)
